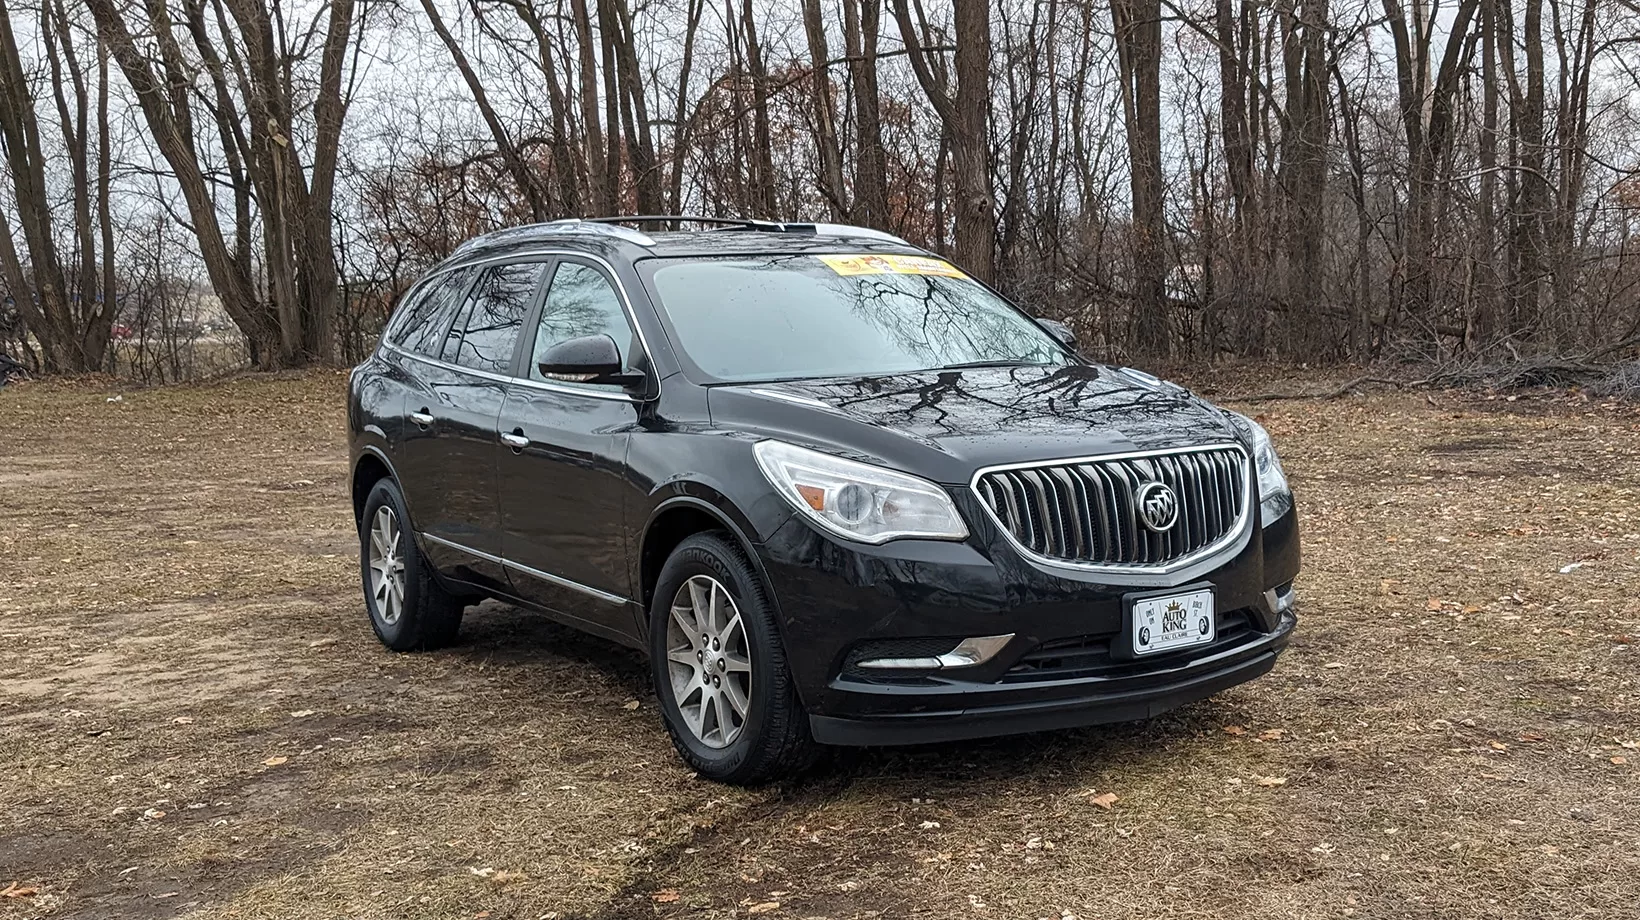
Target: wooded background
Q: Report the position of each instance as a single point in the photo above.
(1312, 180)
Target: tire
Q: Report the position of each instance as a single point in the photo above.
(771, 739)
(422, 615)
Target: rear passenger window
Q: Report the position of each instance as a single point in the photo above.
(487, 327)
(425, 319)
(581, 301)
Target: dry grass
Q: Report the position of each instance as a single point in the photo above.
(1454, 729)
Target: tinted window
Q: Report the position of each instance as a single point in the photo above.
(773, 317)
(484, 336)
(581, 301)
(425, 317)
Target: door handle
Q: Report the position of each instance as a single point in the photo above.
(422, 418)
(515, 440)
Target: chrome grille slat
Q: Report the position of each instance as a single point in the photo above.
(1085, 511)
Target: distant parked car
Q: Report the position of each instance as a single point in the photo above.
(838, 491)
(121, 331)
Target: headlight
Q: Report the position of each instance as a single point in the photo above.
(857, 500)
(1274, 495)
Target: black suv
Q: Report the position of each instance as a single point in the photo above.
(838, 492)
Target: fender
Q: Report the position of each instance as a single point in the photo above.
(700, 497)
(360, 451)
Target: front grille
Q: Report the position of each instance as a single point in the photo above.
(1089, 656)
(1085, 511)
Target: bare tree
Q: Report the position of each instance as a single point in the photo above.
(1139, 43)
(966, 114)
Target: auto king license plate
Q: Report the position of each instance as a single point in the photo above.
(1174, 621)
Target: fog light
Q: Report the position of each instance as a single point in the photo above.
(968, 653)
(1279, 600)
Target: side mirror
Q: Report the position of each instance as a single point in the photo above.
(587, 359)
(1059, 331)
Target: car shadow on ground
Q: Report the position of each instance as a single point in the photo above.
(505, 636)
(502, 635)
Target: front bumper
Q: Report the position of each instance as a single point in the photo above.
(1063, 704)
(1065, 665)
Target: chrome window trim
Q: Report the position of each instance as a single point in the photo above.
(559, 580)
(1234, 539)
(514, 381)
(527, 255)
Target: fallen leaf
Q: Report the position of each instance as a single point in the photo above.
(1104, 801)
(665, 896)
(1271, 734)
(15, 890)
(1499, 746)
(630, 704)
(302, 713)
(1433, 603)
(763, 907)
(1269, 781)
(183, 720)
(504, 876)
(1234, 730)
(929, 825)
(1570, 568)
(1620, 760)
(275, 761)
(1333, 665)
(153, 814)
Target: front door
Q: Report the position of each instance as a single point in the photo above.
(562, 479)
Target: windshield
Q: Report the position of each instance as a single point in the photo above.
(746, 318)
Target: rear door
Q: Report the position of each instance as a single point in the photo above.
(429, 388)
(563, 487)
(457, 416)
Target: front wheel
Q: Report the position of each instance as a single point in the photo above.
(408, 608)
(719, 668)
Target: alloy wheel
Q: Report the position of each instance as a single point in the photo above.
(387, 565)
(709, 661)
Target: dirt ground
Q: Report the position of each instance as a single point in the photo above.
(195, 720)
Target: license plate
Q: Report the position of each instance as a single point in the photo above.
(1172, 622)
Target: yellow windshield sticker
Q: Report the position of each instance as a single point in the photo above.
(891, 265)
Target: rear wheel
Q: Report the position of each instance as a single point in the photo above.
(408, 608)
(719, 669)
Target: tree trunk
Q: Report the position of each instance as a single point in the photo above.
(166, 109)
(967, 118)
(1534, 188)
(600, 181)
(640, 143)
(862, 21)
(763, 189)
(1139, 54)
(683, 119)
(825, 113)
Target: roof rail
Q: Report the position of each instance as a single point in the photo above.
(864, 233)
(764, 226)
(552, 228)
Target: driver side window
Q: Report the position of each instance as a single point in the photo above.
(581, 301)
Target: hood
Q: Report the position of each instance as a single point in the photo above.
(946, 424)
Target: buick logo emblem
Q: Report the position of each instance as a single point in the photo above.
(1158, 506)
